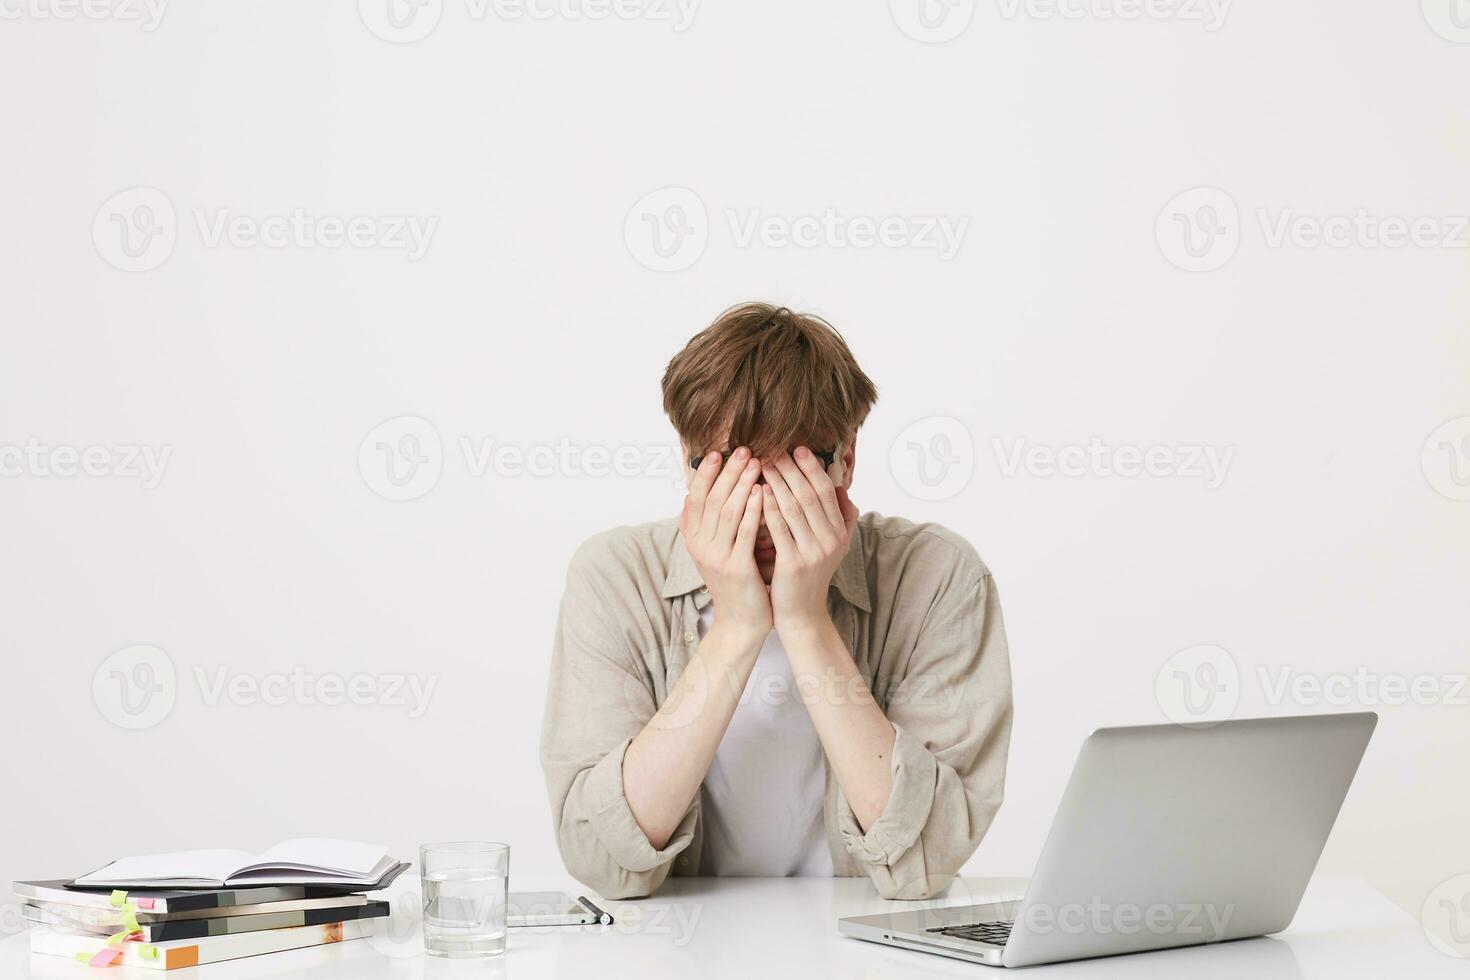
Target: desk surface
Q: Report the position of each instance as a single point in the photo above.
(710, 928)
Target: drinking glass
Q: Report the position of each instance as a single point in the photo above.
(464, 898)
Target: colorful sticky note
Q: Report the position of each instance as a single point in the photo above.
(105, 956)
(118, 898)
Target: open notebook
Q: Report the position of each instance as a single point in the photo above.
(305, 861)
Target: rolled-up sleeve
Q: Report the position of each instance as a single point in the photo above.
(951, 712)
(599, 697)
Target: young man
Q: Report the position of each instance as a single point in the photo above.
(772, 684)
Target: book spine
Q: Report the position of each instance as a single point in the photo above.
(214, 949)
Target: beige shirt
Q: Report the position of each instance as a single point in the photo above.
(917, 610)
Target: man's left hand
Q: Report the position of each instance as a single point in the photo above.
(810, 521)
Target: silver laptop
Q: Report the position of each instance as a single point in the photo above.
(1166, 836)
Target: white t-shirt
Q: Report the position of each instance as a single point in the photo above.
(764, 789)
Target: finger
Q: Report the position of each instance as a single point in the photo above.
(732, 512)
(719, 491)
(821, 484)
(807, 501)
(699, 486)
(776, 524)
(849, 509)
(750, 524)
(776, 479)
(684, 522)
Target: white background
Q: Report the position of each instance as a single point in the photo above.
(534, 319)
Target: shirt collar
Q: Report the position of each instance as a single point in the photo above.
(850, 580)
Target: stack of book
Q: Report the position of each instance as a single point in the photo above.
(165, 911)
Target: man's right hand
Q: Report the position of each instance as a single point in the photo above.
(719, 522)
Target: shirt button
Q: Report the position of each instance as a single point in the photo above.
(704, 590)
(688, 637)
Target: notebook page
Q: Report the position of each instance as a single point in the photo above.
(322, 854)
(211, 865)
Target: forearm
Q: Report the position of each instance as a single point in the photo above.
(667, 761)
(856, 736)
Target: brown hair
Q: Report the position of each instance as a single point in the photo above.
(770, 378)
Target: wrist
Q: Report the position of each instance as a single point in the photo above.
(744, 635)
(805, 628)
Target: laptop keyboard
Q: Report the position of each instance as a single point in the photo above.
(990, 933)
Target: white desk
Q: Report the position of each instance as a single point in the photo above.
(785, 927)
